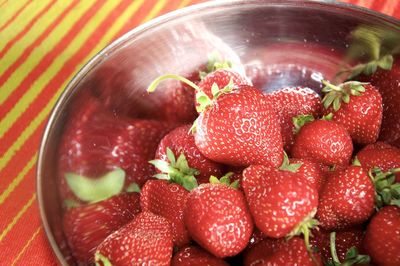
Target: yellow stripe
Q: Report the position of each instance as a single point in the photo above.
(39, 52)
(9, 9)
(17, 180)
(46, 110)
(119, 23)
(31, 36)
(184, 3)
(22, 21)
(26, 246)
(155, 10)
(57, 64)
(17, 217)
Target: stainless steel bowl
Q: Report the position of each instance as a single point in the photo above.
(276, 42)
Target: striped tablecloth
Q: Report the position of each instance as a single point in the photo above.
(42, 44)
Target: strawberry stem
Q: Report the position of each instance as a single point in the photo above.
(286, 166)
(153, 85)
(332, 244)
(103, 259)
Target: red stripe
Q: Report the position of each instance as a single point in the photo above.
(26, 29)
(378, 5)
(48, 92)
(38, 252)
(46, 60)
(15, 240)
(18, 198)
(16, 14)
(50, 88)
(396, 11)
(21, 157)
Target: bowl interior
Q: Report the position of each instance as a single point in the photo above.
(276, 43)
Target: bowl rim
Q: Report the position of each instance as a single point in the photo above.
(136, 32)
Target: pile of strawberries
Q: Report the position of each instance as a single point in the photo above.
(286, 178)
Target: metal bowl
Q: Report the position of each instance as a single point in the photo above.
(276, 42)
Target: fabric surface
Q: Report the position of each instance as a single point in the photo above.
(43, 43)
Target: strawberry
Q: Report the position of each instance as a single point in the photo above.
(324, 142)
(381, 155)
(344, 241)
(289, 102)
(280, 252)
(386, 81)
(347, 199)
(97, 142)
(221, 78)
(146, 240)
(310, 171)
(236, 127)
(217, 218)
(195, 256)
(87, 226)
(281, 202)
(382, 237)
(180, 141)
(357, 107)
(167, 200)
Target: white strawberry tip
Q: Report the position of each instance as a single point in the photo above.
(336, 94)
(101, 260)
(352, 255)
(96, 189)
(176, 170)
(387, 190)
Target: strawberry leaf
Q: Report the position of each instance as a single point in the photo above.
(300, 120)
(387, 190)
(70, 203)
(225, 180)
(286, 166)
(96, 189)
(176, 170)
(101, 260)
(133, 187)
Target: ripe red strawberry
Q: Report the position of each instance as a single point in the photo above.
(387, 82)
(290, 102)
(381, 155)
(357, 107)
(222, 77)
(324, 142)
(87, 226)
(344, 241)
(168, 200)
(347, 199)
(235, 127)
(280, 202)
(97, 142)
(240, 129)
(382, 237)
(217, 218)
(310, 171)
(180, 141)
(280, 252)
(146, 240)
(195, 256)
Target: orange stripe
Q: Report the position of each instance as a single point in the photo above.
(15, 16)
(22, 251)
(45, 62)
(2, 3)
(376, 5)
(13, 242)
(26, 29)
(38, 252)
(396, 11)
(18, 198)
